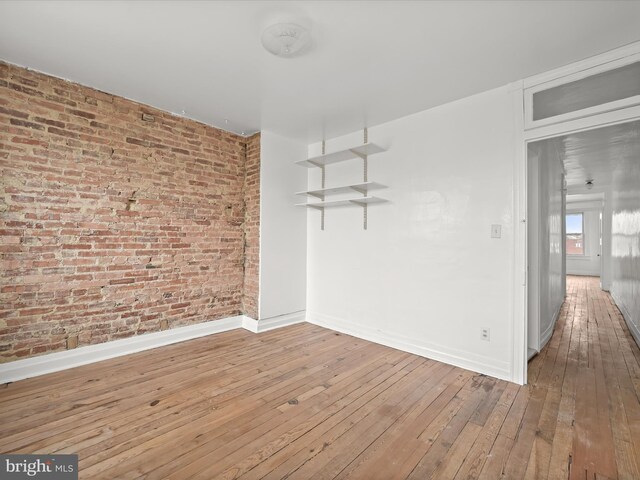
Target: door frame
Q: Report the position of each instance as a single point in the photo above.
(519, 90)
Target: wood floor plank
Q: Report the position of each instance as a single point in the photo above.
(495, 462)
(402, 438)
(479, 452)
(434, 455)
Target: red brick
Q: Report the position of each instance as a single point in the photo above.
(13, 113)
(80, 113)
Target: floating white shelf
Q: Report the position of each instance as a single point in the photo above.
(362, 201)
(363, 188)
(350, 153)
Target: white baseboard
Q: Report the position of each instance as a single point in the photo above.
(548, 333)
(266, 324)
(54, 362)
(627, 317)
(466, 360)
(57, 361)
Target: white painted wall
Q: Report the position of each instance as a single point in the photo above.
(625, 241)
(533, 250)
(605, 274)
(589, 263)
(546, 249)
(426, 276)
(283, 230)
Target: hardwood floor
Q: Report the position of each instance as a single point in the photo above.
(305, 402)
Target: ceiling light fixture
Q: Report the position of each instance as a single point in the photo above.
(589, 184)
(285, 39)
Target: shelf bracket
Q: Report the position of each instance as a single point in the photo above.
(323, 186)
(365, 162)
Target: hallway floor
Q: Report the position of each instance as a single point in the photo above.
(583, 412)
(305, 402)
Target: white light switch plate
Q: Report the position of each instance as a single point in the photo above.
(496, 231)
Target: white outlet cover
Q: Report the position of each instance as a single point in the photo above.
(485, 334)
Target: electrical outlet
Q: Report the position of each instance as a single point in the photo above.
(485, 334)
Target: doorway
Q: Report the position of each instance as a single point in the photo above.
(576, 140)
(583, 203)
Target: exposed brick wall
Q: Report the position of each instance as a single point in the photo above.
(116, 218)
(252, 228)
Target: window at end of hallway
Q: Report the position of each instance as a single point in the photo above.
(575, 234)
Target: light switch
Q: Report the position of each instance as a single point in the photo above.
(496, 231)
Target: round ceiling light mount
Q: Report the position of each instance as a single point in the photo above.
(285, 39)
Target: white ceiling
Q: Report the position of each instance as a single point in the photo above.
(599, 154)
(585, 197)
(371, 62)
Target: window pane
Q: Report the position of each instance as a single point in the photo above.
(575, 235)
(575, 244)
(598, 89)
(574, 223)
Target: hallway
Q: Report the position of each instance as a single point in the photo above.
(583, 411)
